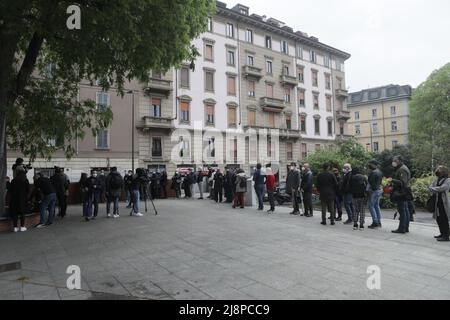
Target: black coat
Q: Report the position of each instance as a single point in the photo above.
(345, 188)
(307, 182)
(218, 181)
(358, 185)
(327, 186)
(19, 190)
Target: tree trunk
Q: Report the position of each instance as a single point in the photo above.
(3, 101)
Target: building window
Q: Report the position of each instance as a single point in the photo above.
(231, 85)
(315, 78)
(284, 47)
(212, 147)
(374, 113)
(102, 139)
(209, 52)
(251, 88)
(287, 95)
(289, 149)
(339, 83)
(269, 90)
(271, 119)
(231, 117)
(393, 110)
(329, 107)
(327, 81)
(249, 35)
(303, 124)
(209, 80)
(230, 58)
(375, 128)
(330, 127)
(357, 129)
(252, 118)
(269, 146)
(339, 65)
(341, 129)
(299, 52)
(102, 100)
(301, 75)
(156, 147)
(394, 127)
(230, 30)
(184, 111)
(327, 61)
(185, 148)
(317, 126)
(316, 101)
(317, 147)
(184, 77)
(288, 122)
(156, 108)
(304, 150)
(269, 42)
(285, 70)
(356, 115)
(313, 56)
(301, 98)
(209, 111)
(250, 61)
(376, 147)
(210, 24)
(269, 68)
(394, 144)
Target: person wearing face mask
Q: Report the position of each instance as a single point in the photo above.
(307, 187)
(347, 194)
(374, 194)
(440, 188)
(401, 193)
(96, 186)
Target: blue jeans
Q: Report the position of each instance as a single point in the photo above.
(403, 210)
(135, 197)
(259, 189)
(348, 204)
(87, 205)
(48, 203)
(113, 198)
(374, 206)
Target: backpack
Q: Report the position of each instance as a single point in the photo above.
(116, 182)
(242, 183)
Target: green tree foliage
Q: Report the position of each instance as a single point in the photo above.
(118, 41)
(430, 121)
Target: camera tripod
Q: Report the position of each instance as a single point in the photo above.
(146, 196)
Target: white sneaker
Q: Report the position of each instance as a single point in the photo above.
(116, 216)
(138, 214)
(23, 229)
(16, 229)
(109, 215)
(40, 225)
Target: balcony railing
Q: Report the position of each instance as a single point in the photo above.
(341, 93)
(252, 72)
(159, 86)
(158, 123)
(287, 80)
(272, 104)
(343, 115)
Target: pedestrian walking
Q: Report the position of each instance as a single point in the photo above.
(293, 183)
(440, 189)
(19, 190)
(347, 194)
(307, 189)
(270, 186)
(358, 187)
(401, 193)
(114, 187)
(48, 200)
(374, 193)
(241, 189)
(327, 185)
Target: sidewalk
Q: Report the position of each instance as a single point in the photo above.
(201, 250)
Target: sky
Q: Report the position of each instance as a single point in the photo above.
(391, 41)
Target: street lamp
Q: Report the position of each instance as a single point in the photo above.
(132, 130)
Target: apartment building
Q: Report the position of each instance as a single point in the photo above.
(380, 116)
(255, 74)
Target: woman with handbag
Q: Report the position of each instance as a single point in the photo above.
(440, 190)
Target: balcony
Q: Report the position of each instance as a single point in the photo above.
(342, 115)
(289, 134)
(252, 72)
(156, 123)
(272, 104)
(288, 80)
(159, 86)
(341, 93)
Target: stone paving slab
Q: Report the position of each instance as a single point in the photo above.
(199, 250)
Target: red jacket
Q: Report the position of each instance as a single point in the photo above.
(270, 182)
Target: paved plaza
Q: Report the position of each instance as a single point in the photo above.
(201, 250)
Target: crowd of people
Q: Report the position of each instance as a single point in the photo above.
(352, 191)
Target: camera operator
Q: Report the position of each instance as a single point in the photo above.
(19, 167)
(139, 181)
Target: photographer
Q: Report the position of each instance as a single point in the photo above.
(138, 179)
(18, 167)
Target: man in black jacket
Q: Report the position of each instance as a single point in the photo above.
(307, 187)
(114, 186)
(61, 184)
(358, 187)
(327, 186)
(96, 184)
(48, 202)
(348, 197)
(293, 183)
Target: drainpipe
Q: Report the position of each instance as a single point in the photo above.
(239, 74)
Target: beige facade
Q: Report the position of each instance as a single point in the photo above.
(380, 117)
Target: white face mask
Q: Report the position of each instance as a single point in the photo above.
(394, 164)
(345, 170)
(94, 175)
